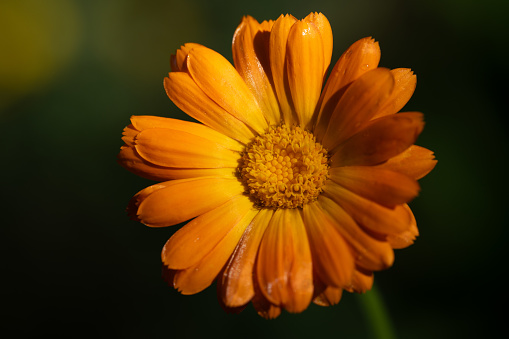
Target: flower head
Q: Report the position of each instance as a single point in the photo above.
(295, 190)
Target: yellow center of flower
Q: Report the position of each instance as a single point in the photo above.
(284, 168)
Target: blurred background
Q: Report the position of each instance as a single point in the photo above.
(73, 72)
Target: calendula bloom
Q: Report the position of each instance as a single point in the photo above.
(295, 190)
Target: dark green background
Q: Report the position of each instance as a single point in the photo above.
(75, 71)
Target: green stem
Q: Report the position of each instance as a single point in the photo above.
(377, 315)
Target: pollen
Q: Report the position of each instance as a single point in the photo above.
(284, 168)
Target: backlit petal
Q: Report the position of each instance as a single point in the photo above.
(415, 162)
(181, 200)
(251, 59)
(380, 140)
(237, 279)
(372, 216)
(178, 61)
(284, 267)
(369, 252)
(196, 239)
(277, 49)
(332, 259)
(305, 68)
(323, 26)
(199, 276)
(359, 58)
(360, 102)
(186, 94)
(385, 187)
(223, 84)
(171, 148)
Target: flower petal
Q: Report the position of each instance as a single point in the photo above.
(372, 216)
(223, 84)
(380, 140)
(359, 58)
(284, 267)
(277, 49)
(186, 94)
(141, 122)
(332, 260)
(404, 87)
(263, 307)
(133, 162)
(172, 148)
(323, 26)
(237, 280)
(384, 187)
(181, 200)
(199, 276)
(415, 162)
(201, 235)
(178, 61)
(251, 59)
(362, 281)
(330, 296)
(370, 253)
(406, 238)
(360, 102)
(305, 69)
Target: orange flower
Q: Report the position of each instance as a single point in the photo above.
(294, 193)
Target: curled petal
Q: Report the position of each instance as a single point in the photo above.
(305, 67)
(251, 58)
(407, 238)
(277, 49)
(178, 61)
(180, 200)
(362, 56)
(379, 141)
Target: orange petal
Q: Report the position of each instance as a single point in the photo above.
(181, 200)
(362, 281)
(385, 187)
(380, 140)
(201, 235)
(284, 267)
(404, 87)
(278, 40)
(415, 162)
(199, 276)
(372, 216)
(133, 162)
(128, 134)
(407, 238)
(305, 69)
(359, 58)
(141, 122)
(138, 198)
(172, 148)
(369, 252)
(330, 296)
(332, 260)
(237, 280)
(360, 102)
(265, 308)
(178, 61)
(223, 84)
(251, 59)
(323, 26)
(186, 94)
